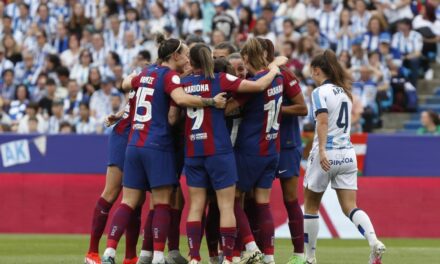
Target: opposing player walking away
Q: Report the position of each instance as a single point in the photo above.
(332, 158)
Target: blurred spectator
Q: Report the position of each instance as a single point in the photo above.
(395, 10)
(306, 50)
(9, 30)
(131, 23)
(113, 35)
(4, 62)
(61, 40)
(73, 100)
(193, 23)
(223, 50)
(288, 34)
(27, 71)
(410, 44)
(328, 22)
(80, 72)
(98, 50)
(129, 51)
(360, 18)
(32, 112)
(57, 117)
(42, 49)
(430, 123)
(70, 57)
(262, 30)
(101, 100)
(85, 124)
(160, 19)
(7, 88)
(224, 19)
(4, 117)
(288, 50)
(356, 115)
(46, 102)
(78, 20)
(366, 90)
(12, 49)
(46, 22)
(293, 10)
(217, 37)
(317, 36)
(17, 107)
(247, 24)
(376, 26)
(66, 128)
(345, 33)
(23, 21)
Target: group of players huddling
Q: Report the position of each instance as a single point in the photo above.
(230, 125)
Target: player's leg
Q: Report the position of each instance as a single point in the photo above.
(347, 200)
(102, 209)
(132, 233)
(288, 173)
(146, 255)
(265, 223)
(194, 221)
(130, 200)
(212, 227)
(250, 208)
(177, 204)
(312, 200)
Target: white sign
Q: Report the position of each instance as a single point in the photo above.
(15, 152)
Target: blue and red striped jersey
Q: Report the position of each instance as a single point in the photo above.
(123, 126)
(150, 127)
(258, 131)
(290, 134)
(206, 133)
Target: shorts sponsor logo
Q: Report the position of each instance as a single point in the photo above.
(341, 161)
(281, 171)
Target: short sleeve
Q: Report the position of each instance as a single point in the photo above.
(136, 81)
(291, 85)
(318, 102)
(171, 81)
(229, 83)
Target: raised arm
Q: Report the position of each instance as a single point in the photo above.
(127, 82)
(186, 100)
(259, 85)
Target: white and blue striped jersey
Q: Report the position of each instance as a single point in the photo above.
(407, 45)
(329, 24)
(360, 23)
(331, 99)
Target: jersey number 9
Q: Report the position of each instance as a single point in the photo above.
(141, 102)
(197, 114)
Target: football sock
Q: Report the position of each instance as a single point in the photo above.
(100, 215)
(243, 227)
(363, 223)
(147, 243)
(212, 229)
(267, 228)
(238, 245)
(250, 208)
(296, 225)
(174, 234)
(119, 224)
(193, 231)
(160, 228)
(311, 229)
(228, 234)
(132, 233)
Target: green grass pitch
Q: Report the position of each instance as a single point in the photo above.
(71, 248)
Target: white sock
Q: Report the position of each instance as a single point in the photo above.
(251, 246)
(174, 253)
(363, 223)
(299, 254)
(311, 229)
(158, 257)
(236, 259)
(110, 252)
(145, 253)
(268, 258)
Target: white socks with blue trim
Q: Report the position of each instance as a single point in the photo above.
(363, 223)
(311, 229)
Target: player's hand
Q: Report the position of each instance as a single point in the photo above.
(325, 164)
(280, 60)
(220, 100)
(111, 119)
(274, 67)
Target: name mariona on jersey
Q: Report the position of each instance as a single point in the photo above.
(198, 88)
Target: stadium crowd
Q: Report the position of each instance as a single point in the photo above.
(62, 62)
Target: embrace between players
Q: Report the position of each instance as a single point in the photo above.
(231, 137)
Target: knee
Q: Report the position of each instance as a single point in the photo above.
(111, 193)
(289, 195)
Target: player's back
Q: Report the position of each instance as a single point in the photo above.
(150, 127)
(258, 131)
(333, 100)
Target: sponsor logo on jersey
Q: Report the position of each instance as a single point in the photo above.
(272, 136)
(199, 136)
(341, 161)
(147, 80)
(198, 88)
(138, 126)
(275, 90)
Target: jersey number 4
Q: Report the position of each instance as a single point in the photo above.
(343, 117)
(273, 107)
(142, 103)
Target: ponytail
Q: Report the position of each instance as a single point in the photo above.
(330, 66)
(253, 50)
(201, 58)
(167, 47)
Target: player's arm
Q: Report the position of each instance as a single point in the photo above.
(231, 106)
(173, 115)
(322, 130)
(186, 100)
(299, 107)
(113, 118)
(127, 83)
(259, 85)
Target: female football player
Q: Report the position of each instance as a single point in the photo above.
(332, 158)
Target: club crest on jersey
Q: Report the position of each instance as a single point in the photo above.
(147, 80)
(198, 88)
(275, 90)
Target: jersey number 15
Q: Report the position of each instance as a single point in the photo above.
(141, 102)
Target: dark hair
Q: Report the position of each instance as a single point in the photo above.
(406, 21)
(84, 51)
(191, 39)
(115, 57)
(253, 50)
(25, 88)
(430, 12)
(6, 71)
(227, 46)
(33, 118)
(168, 47)
(200, 13)
(328, 63)
(313, 21)
(7, 17)
(85, 104)
(131, 9)
(54, 59)
(34, 106)
(290, 21)
(201, 58)
(434, 117)
(145, 54)
(223, 65)
(250, 15)
(51, 81)
(24, 5)
(42, 5)
(255, 30)
(63, 71)
(66, 124)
